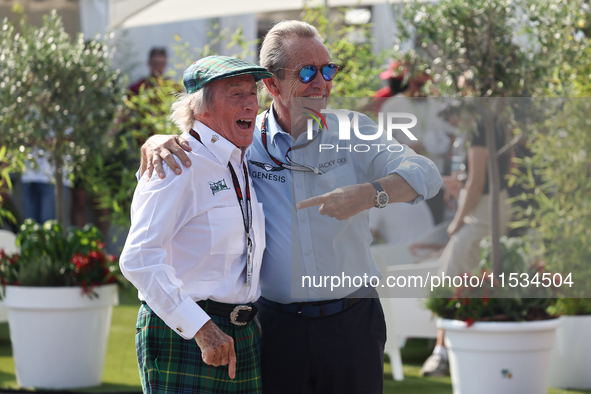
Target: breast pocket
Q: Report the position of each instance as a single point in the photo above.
(227, 231)
(341, 176)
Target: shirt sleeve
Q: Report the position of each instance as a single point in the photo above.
(160, 208)
(393, 158)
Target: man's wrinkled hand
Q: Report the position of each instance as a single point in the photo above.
(163, 147)
(343, 202)
(216, 347)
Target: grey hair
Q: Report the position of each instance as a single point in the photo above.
(273, 55)
(187, 106)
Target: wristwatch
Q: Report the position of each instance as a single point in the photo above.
(381, 199)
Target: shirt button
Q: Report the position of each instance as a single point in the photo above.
(308, 253)
(179, 329)
(299, 184)
(302, 219)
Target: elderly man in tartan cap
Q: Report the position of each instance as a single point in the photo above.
(196, 242)
(317, 339)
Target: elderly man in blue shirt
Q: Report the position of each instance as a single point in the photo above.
(317, 338)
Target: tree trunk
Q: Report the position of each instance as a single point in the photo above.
(491, 122)
(58, 161)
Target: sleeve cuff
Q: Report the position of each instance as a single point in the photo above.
(187, 319)
(424, 185)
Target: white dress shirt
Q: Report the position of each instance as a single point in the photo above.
(187, 240)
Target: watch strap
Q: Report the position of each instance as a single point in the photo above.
(378, 187)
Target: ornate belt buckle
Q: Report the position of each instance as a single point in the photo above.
(234, 314)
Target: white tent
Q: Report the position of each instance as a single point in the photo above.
(142, 24)
(167, 11)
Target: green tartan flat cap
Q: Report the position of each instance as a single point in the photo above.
(212, 68)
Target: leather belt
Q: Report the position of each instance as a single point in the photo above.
(313, 309)
(238, 315)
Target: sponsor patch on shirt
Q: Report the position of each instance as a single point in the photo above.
(218, 186)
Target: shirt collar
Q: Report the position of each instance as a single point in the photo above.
(219, 146)
(273, 127)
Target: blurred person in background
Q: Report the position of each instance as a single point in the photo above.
(157, 63)
(471, 222)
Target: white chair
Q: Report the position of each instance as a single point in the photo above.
(392, 348)
(405, 315)
(8, 243)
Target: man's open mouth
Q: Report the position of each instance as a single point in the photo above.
(244, 123)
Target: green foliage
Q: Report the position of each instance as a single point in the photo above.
(492, 301)
(360, 67)
(57, 94)
(9, 162)
(472, 310)
(557, 195)
(510, 47)
(572, 307)
(51, 257)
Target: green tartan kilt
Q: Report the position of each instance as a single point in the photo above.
(171, 364)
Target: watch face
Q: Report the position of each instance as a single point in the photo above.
(382, 199)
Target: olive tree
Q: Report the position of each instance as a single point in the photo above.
(512, 48)
(57, 93)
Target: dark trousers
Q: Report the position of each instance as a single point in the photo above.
(340, 354)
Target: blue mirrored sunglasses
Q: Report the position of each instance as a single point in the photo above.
(308, 73)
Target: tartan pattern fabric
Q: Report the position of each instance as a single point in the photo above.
(170, 364)
(212, 68)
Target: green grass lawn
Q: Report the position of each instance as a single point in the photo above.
(121, 374)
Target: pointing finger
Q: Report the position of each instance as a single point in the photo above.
(310, 202)
(232, 363)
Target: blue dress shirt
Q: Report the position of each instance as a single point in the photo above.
(304, 243)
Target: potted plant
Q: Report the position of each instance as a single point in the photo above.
(557, 210)
(498, 337)
(59, 292)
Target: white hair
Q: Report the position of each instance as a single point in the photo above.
(187, 106)
(273, 52)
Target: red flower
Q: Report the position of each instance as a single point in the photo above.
(80, 261)
(469, 322)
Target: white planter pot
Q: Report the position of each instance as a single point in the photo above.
(499, 357)
(59, 335)
(571, 356)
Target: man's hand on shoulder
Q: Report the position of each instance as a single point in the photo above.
(162, 147)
